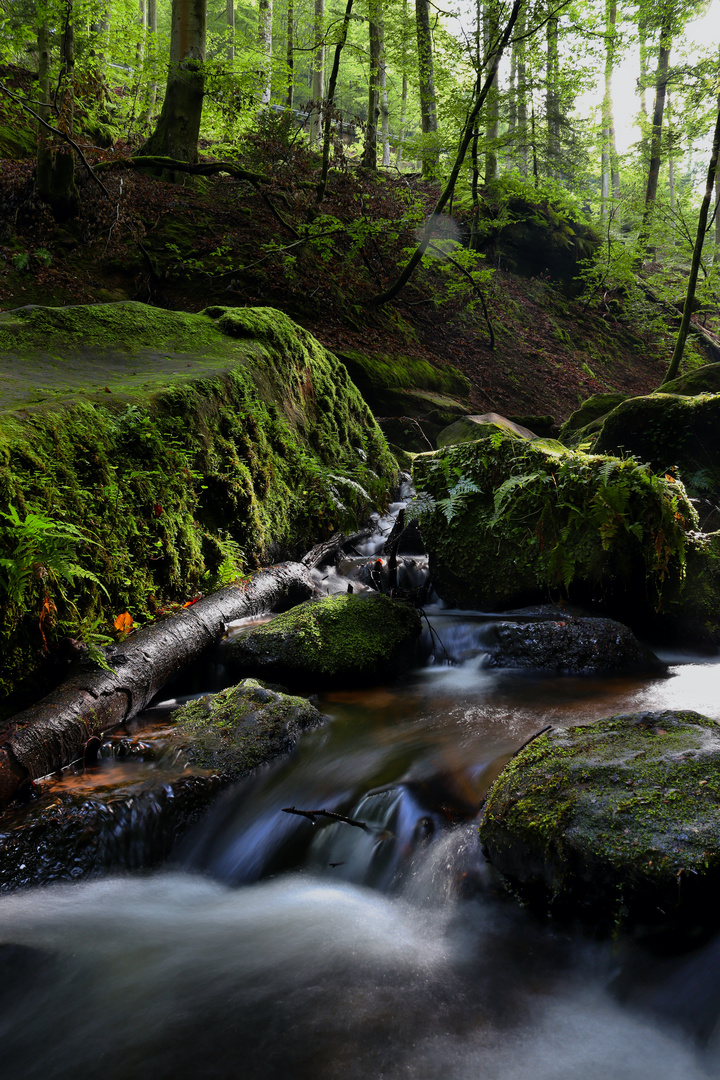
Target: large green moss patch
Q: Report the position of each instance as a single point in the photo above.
(187, 448)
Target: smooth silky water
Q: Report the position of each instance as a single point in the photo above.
(275, 947)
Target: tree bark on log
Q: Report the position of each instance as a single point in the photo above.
(52, 733)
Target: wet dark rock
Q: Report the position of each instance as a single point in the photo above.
(241, 728)
(69, 835)
(573, 646)
(615, 821)
(335, 640)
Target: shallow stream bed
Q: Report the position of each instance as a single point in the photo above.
(272, 946)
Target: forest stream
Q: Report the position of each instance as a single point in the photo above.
(273, 945)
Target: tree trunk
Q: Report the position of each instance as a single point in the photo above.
(369, 159)
(656, 132)
(318, 73)
(642, 85)
(51, 734)
(492, 129)
(55, 177)
(428, 104)
(265, 27)
(671, 153)
(467, 134)
(290, 54)
(384, 109)
(404, 92)
(327, 133)
(178, 127)
(522, 112)
(153, 49)
(697, 254)
(610, 172)
(552, 96)
(230, 21)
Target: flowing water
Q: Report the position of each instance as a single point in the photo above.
(281, 945)
(275, 947)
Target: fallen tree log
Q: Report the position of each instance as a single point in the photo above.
(52, 733)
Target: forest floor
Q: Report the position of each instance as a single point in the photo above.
(223, 241)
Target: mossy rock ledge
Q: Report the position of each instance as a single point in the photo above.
(507, 522)
(241, 728)
(336, 640)
(617, 820)
(189, 448)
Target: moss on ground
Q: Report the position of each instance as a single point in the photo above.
(187, 448)
(336, 639)
(616, 817)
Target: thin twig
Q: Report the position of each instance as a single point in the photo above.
(312, 814)
(62, 134)
(542, 731)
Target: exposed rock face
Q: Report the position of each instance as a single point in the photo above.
(188, 448)
(507, 522)
(616, 820)
(337, 639)
(573, 646)
(586, 421)
(235, 731)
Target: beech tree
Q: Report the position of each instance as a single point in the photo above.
(178, 126)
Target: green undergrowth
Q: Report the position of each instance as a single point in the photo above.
(239, 440)
(507, 521)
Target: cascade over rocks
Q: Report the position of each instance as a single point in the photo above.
(335, 640)
(616, 820)
(507, 522)
(573, 646)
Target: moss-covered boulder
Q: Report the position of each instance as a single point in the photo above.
(669, 431)
(570, 646)
(703, 380)
(331, 641)
(185, 448)
(240, 729)
(412, 398)
(587, 420)
(507, 522)
(615, 820)
(480, 426)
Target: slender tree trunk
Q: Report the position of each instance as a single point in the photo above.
(642, 85)
(142, 23)
(43, 174)
(64, 197)
(671, 150)
(384, 109)
(290, 54)
(327, 133)
(656, 133)
(552, 95)
(492, 130)
(522, 112)
(230, 22)
(265, 28)
(369, 159)
(428, 103)
(610, 172)
(716, 256)
(318, 72)
(178, 126)
(467, 134)
(697, 254)
(153, 44)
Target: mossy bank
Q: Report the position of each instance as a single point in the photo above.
(186, 448)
